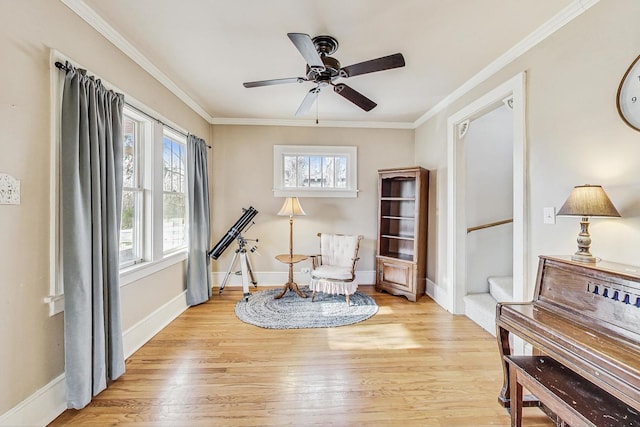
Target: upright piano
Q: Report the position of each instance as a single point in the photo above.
(585, 317)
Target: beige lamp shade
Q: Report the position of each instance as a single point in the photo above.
(291, 207)
(588, 200)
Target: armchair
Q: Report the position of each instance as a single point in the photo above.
(333, 270)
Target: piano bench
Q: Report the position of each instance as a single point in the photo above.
(571, 397)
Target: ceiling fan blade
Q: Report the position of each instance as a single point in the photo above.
(307, 49)
(308, 101)
(354, 96)
(385, 63)
(274, 82)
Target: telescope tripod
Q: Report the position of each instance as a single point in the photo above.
(245, 268)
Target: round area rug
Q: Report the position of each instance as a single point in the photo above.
(293, 312)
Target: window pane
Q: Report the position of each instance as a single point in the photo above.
(166, 164)
(174, 185)
(129, 156)
(315, 171)
(182, 155)
(327, 172)
(290, 171)
(174, 224)
(341, 172)
(303, 171)
(130, 245)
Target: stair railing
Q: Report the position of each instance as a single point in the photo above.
(489, 225)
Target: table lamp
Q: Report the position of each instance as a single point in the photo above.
(292, 208)
(586, 201)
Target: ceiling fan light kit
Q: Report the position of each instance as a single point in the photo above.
(324, 70)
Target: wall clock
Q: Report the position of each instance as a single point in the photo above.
(628, 98)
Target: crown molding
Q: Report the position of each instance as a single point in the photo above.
(565, 16)
(80, 8)
(558, 21)
(312, 123)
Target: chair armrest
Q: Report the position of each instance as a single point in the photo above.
(316, 260)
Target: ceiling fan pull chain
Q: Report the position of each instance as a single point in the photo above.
(317, 108)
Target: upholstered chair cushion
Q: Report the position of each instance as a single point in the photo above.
(334, 270)
(338, 250)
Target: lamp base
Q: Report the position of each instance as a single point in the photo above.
(584, 258)
(584, 242)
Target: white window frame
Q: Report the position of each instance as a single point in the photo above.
(142, 146)
(154, 259)
(279, 153)
(180, 139)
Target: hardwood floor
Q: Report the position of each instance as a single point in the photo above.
(412, 364)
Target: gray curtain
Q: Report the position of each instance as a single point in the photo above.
(91, 197)
(198, 278)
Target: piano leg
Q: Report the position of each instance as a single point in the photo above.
(505, 350)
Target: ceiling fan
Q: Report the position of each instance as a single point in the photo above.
(323, 70)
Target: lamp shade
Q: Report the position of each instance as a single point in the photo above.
(588, 200)
(291, 207)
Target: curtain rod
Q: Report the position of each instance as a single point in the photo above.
(61, 66)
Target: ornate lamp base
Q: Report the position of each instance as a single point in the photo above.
(584, 242)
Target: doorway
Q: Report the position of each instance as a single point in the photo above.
(488, 151)
(459, 198)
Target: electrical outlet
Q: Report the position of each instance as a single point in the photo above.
(305, 270)
(549, 215)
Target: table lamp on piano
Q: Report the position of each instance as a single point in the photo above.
(586, 201)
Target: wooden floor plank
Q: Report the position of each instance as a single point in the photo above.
(412, 364)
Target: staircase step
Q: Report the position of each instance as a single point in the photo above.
(501, 288)
(481, 308)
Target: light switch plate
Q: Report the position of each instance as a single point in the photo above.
(549, 215)
(9, 190)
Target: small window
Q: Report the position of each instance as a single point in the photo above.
(314, 171)
(174, 211)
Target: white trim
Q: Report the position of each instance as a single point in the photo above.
(140, 333)
(101, 26)
(456, 221)
(350, 152)
(49, 402)
(565, 16)
(437, 293)
(573, 10)
(138, 271)
(127, 276)
(40, 408)
(312, 123)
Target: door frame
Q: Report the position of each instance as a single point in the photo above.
(456, 218)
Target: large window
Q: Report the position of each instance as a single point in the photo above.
(174, 212)
(154, 209)
(314, 171)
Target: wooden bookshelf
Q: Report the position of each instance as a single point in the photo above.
(402, 231)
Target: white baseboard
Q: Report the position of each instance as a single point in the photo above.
(49, 402)
(275, 278)
(40, 408)
(137, 335)
(438, 294)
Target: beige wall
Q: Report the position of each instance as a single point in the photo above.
(243, 177)
(574, 133)
(574, 136)
(31, 353)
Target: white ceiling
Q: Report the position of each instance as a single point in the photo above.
(208, 48)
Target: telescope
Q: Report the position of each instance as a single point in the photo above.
(233, 233)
